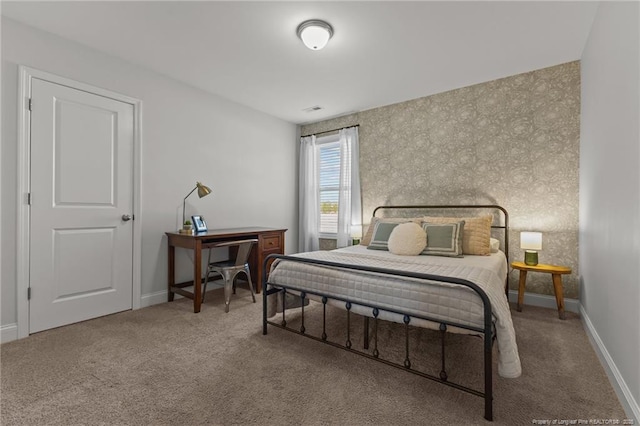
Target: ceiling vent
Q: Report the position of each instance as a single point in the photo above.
(313, 108)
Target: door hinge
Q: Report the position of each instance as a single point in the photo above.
(29, 106)
(28, 198)
(29, 293)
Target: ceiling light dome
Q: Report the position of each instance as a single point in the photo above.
(315, 34)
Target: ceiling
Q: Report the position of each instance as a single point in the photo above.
(381, 52)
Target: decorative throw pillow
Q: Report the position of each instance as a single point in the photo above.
(495, 245)
(366, 239)
(381, 233)
(477, 231)
(444, 239)
(407, 239)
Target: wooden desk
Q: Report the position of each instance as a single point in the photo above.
(269, 241)
(556, 273)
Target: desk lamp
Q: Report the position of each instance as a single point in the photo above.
(531, 243)
(203, 191)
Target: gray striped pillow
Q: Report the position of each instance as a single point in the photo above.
(381, 233)
(444, 239)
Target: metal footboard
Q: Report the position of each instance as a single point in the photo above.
(374, 311)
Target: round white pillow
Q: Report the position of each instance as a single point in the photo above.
(407, 239)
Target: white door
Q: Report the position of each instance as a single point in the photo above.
(81, 245)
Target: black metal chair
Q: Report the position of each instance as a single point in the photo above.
(229, 269)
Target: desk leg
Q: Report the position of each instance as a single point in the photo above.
(197, 278)
(521, 286)
(557, 289)
(171, 272)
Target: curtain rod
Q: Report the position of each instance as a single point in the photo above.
(329, 131)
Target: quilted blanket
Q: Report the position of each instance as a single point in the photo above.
(419, 297)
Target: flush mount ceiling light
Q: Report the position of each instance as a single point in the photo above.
(314, 33)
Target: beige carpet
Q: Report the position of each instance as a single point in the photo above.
(165, 365)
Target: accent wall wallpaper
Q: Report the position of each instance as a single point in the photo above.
(512, 142)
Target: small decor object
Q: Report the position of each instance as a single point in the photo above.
(531, 243)
(187, 228)
(199, 224)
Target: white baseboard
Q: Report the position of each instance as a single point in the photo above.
(545, 301)
(8, 333)
(150, 299)
(630, 405)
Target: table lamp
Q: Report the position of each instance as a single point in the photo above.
(356, 234)
(531, 243)
(203, 191)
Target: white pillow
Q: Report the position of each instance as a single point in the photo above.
(407, 239)
(494, 244)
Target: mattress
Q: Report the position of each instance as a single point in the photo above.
(438, 300)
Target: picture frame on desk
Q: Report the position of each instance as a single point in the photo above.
(199, 225)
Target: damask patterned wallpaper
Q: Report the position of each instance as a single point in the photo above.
(512, 142)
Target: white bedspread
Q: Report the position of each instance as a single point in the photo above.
(435, 299)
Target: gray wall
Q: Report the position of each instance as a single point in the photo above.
(247, 157)
(512, 141)
(610, 192)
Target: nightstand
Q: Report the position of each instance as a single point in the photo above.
(556, 274)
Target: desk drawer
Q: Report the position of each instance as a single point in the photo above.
(271, 242)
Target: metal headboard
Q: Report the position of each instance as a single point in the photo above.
(504, 227)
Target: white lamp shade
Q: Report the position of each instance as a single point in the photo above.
(315, 34)
(531, 240)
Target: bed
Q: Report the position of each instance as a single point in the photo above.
(464, 295)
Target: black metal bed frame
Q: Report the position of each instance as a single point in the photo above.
(487, 330)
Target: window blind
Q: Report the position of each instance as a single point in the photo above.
(329, 185)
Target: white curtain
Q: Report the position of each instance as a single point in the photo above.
(349, 202)
(309, 208)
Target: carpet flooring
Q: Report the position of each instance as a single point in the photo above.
(165, 365)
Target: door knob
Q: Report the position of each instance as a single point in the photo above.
(126, 217)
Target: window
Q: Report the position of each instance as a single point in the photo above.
(329, 185)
